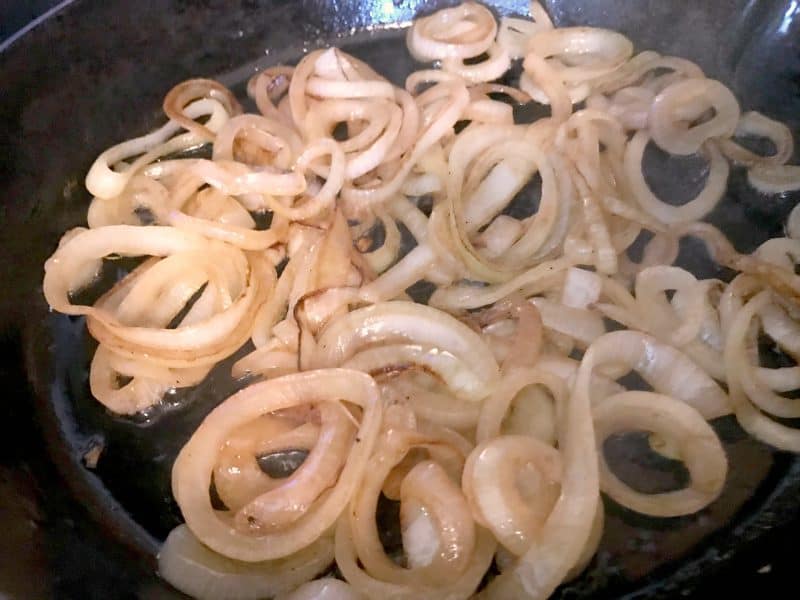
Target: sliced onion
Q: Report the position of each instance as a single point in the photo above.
(419, 324)
(755, 124)
(695, 209)
(490, 482)
(680, 103)
(668, 370)
(461, 32)
(453, 372)
(793, 223)
(775, 179)
(698, 447)
(106, 182)
(202, 573)
(326, 588)
(191, 473)
(582, 325)
(581, 288)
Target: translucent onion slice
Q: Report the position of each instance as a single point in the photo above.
(203, 574)
(696, 442)
(453, 372)
(750, 418)
(695, 209)
(668, 370)
(416, 323)
(680, 103)
(496, 407)
(775, 179)
(191, 473)
(568, 527)
(105, 181)
(491, 484)
(461, 32)
(326, 588)
(793, 223)
(449, 564)
(755, 124)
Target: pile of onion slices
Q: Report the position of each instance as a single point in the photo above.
(301, 231)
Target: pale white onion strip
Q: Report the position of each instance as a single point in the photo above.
(698, 446)
(693, 210)
(785, 379)
(775, 179)
(138, 394)
(492, 68)
(203, 574)
(750, 418)
(533, 414)
(188, 91)
(105, 182)
(347, 562)
(583, 325)
(753, 384)
(237, 179)
(140, 193)
(453, 372)
(780, 326)
(604, 255)
(246, 239)
(326, 588)
(460, 32)
(490, 483)
(326, 196)
(513, 33)
(567, 369)
(706, 349)
(417, 323)
(381, 258)
(755, 380)
(268, 135)
(544, 84)
(267, 86)
(430, 499)
(502, 182)
(411, 216)
(267, 361)
(582, 288)
(669, 119)
(203, 338)
(472, 296)
(569, 525)
(357, 199)
(433, 405)
(449, 571)
(538, 228)
(404, 273)
(496, 406)
(780, 251)
(603, 51)
(82, 253)
(499, 235)
(755, 124)
(370, 147)
(793, 223)
(668, 370)
(656, 310)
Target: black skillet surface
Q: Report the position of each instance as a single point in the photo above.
(94, 73)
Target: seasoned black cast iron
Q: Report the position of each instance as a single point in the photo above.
(94, 73)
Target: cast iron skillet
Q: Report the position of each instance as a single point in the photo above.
(94, 73)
